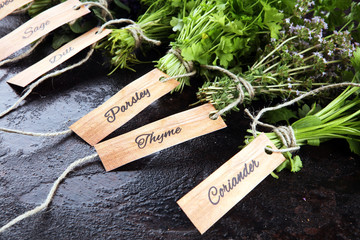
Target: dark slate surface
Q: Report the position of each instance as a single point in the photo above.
(138, 201)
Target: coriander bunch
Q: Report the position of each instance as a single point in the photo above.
(340, 119)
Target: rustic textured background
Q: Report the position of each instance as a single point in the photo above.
(138, 201)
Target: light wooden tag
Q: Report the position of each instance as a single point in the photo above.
(224, 188)
(123, 106)
(8, 6)
(157, 136)
(56, 58)
(40, 25)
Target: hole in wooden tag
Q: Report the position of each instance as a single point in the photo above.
(162, 78)
(267, 150)
(213, 116)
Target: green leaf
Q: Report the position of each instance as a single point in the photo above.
(308, 121)
(314, 109)
(285, 164)
(354, 146)
(282, 114)
(177, 24)
(61, 39)
(122, 5)
(296, 164)
(274, 29)
(313, 142)
(196, 52)
(225, 58)
(355, 60)
(80, 26)
(272, 19)
(303, 111)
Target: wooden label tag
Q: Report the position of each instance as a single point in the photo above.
(224, 188)
(157, 136)
(8, 6)
(56, 58)
(123, 106)
(40, 25)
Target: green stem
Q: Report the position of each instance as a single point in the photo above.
(272, 52)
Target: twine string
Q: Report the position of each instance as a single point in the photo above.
(101, 4)
(42, 79)
(286, 134)
(134, 29)
(241, 82)
(23, 10)
(53, 134)
(23, 55)
(188, 65)
(51, 193)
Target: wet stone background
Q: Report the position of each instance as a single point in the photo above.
(138, 201)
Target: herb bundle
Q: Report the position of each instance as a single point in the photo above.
(302, 58)
(218, 33)
(340, 119)
(120, 45)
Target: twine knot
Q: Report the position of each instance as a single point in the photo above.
(241, 82)
(101, 4)
(285, 133)
(134, 29)
(139, 35)
(287, 137)
(189, 65)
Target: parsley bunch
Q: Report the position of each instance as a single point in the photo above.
(219, 32)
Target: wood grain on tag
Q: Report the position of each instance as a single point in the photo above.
(223, 189)
(56, 58)
(8, 6)
(157, 136)
(123, 106)
(40, 25)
